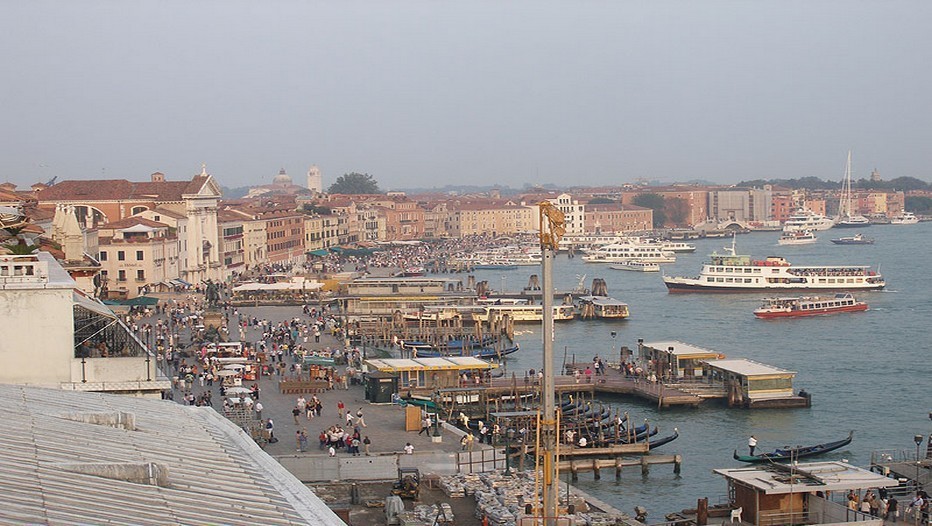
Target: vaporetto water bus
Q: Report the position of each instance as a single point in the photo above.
(621, 252)
(731, 272)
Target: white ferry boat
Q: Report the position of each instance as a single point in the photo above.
(905, 218)
(636, 265)
(731, 272)
(524, 313)
(807, 220)
(602, 307)
(506, 258)
(797, 237)
(622, 252)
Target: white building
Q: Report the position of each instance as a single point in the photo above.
(315, 180)
(56, 336)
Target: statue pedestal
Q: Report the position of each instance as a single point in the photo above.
(213, 317)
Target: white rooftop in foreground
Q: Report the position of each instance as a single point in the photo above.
(93, 458)
(812, 476)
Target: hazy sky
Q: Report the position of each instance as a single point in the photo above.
(429, 93)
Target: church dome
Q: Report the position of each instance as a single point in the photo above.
(281, 178)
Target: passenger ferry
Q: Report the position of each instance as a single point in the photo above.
(622, 252)
(524, 313)
(807, 220)
(797, 237)
(731, 272)
(636, 265)
(806, 306)
(602, 307)
(507, 258)
(905, 218)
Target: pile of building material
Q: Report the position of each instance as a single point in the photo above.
(502, 499)
(427, 515)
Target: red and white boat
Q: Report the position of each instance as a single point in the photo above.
(809, 306)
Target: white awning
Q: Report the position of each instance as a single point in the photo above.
(92, 305)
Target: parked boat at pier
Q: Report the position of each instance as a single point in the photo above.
(732, 272)
(622, 252)
(904, 218)
(794, 453)
(808, 306)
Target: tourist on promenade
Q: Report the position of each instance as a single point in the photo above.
(463, 442)
(425, 425)
(340, 407)
(259, 410)
(332, 452)
(359, 419)
(349, 419)
(295, 412)
(892, 509)
(270, 431)
(409, 449)
(355, 446)
(366, 442)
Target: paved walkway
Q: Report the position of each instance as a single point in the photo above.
(385, 423)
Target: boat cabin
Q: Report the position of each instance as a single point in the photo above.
(433, 373)
(602, 307)
(677, 359)
(810, 493)
(753, 384)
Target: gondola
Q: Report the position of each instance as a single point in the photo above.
(794, 453)
(653, 444)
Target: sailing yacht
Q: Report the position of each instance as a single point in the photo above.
(846, 216)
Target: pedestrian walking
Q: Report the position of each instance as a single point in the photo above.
(366, 442)
(259, 410)
(295, 412)
(359, 419)
(349, 419)
(425, 425)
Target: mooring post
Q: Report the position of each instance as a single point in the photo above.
(677, 463)
(573, 471)
(595, 469)
(617, 468)
(645, 467)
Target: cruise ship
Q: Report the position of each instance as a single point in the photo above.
(622, 252)
(731, 272)
(807, 220)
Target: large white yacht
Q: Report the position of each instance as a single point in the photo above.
(807, 220)
(731, 272)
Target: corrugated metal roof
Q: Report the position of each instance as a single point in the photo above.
(679, 348)
(216, 473)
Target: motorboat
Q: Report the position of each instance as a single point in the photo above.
(797, 237)
(857, 239)
(904, 218)
(808, 306)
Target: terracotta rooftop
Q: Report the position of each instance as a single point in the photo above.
(121, 189)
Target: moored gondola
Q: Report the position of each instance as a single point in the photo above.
(793, 453)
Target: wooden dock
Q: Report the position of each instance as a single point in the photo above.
(612, 382)
(596, 465)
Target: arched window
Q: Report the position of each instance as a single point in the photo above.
(139, 209)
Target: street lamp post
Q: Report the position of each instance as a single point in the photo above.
(613, 346)
(509, 434)
(918, 440)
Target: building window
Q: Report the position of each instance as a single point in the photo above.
(139, 255)
(102, 256)
(139, 209)
(140, 275)
(121, 255)
(121, 275)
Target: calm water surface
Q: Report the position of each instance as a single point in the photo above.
(866, 371)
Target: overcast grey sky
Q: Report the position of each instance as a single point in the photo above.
(427, 93)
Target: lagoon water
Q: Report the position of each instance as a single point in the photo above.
(868, 372)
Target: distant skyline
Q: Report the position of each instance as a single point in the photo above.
(423, 94)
